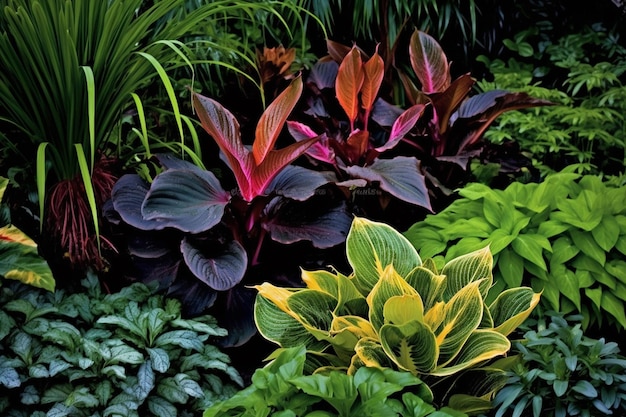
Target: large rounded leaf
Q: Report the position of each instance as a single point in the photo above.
(372, 246)
(297, 183)
(220, 270)
(191, 201)
(468, 268)
(128, 195)
(429, 63)
(512, 308)
(389, 285)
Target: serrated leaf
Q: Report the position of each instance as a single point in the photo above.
(145, 381)
(183, 338)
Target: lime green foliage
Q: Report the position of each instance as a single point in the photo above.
(129, 353)
(565, 236)
(394, 310)
(282, 388)
(559, 371)
(19, 258)
(583, 74)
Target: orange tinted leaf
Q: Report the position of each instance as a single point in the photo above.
(348, 84)
(374, 71)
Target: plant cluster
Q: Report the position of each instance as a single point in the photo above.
(583, 74)
(283, 388)
(565, 236)
(396, 311)
(124, 354)
(559, 371)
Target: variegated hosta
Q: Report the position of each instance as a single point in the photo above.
(394, 310)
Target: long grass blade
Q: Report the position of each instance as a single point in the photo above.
(91, 109)
(91, 197)
(41, 181)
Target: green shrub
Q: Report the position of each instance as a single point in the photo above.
(89, 354)
(565, 236)
(396, 311)
(584, 75)
(282, 389)
(561, 372)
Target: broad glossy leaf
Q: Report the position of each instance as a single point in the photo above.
(400, 177)
(374, 71)
(314, 309)
(511, 266)
(191, 201)
(321, 280)
(221, 268)
(273, 119)
(402, 125)
(429, 63)
(606, 233)
(531, 246)
(288, 222)
(348, 84)
(128, 195)
(297, 183)
(512, 307)
(583, 211)
(324, 73)
(481, 346)
(412, 346)
(369, 352)
(587, 244)
(615, 307)
(372, 246)
(389, 285)
(465, 269)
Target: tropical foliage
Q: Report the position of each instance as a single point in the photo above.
(564, 236)
(394, 310)
(282, 386)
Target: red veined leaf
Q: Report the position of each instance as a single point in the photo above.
(429, 63)
(348, 84)
(356, 145)
(273, 163)
(336, 50)
(402, 125)
(273, 119)
(224, 128)
(320, 150)
(374, 71)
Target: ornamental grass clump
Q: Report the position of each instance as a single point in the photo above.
(395, 310)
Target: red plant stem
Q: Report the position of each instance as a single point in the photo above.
(257, 251)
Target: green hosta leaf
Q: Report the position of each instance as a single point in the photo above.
(466, 269)
(314, 310)
(568, 284)
(615, 267)
(531, 247)
(346, 331)
(481, 346)
(563, 250)
(606, 233)
(587, 244)
(595, 295)
(551, 228)
(615, 307)
(582, 212)
(429, 285)
(336, 388)
(389, 285)
(511, 308)
(500, 240)
(322, 281)
(511, 266)
(372, 246)
(412, 346)
(369, 352)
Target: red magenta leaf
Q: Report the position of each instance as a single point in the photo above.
(403, 124)
(429, 63)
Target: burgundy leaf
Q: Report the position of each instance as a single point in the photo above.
(429, 62)
(220, 269)
(403, 124)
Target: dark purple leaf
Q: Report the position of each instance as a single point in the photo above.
(128, 195)
(191, 201)
(162, 271)
(315, 221)
(235, 312)
(324, 73)
(194, 295)
(385, 113)
(150, 244)
(297, 183)
(220, 268)
(477, 105)
(400, 177)
(169, 161)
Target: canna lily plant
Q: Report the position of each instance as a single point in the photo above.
(352, 141)
(395, 310)
(220, 233)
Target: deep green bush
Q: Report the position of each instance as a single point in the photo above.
(565, 236)
(561, 372)
(584, 75)
(92, 354)
(282, 389)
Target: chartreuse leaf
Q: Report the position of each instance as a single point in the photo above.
(346, 331)
(390, 284)
(412, 346)
(322, 281)
(401, 309)
(511, 308)
(369, 352)
(313, 309)
(372, 246)
(511, 266)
